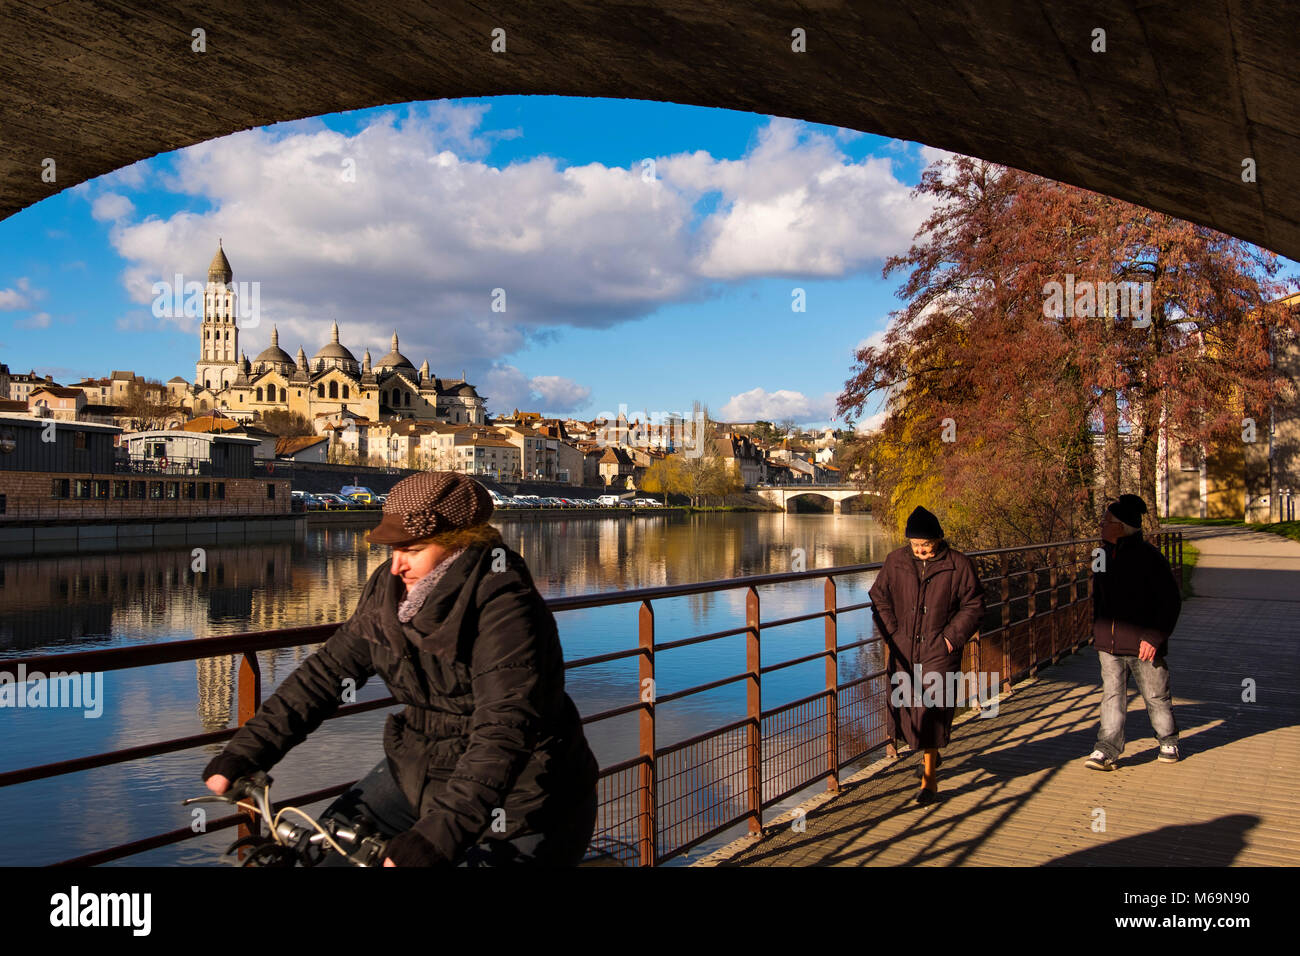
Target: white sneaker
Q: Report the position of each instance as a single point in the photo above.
(1099, 761)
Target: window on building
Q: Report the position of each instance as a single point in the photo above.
(334, 389)
(79, 441)
(320, 390)
(283, 395)
(1189, 458)
(190, 490)
(173, 490)
(155, 490)
(270, 490)
(137, 489)
(221, 490)
(345, 391)
(383, 397)
(59, 488)
(259, 393)
(204, 491)
(99, 488)
(81, 487)
(121, 489)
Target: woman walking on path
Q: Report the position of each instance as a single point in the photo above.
(928, 602)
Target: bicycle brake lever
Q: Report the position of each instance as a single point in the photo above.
(210, 798)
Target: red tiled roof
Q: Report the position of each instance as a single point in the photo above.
(293, 445)
(210, 423)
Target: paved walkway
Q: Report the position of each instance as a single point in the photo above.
(1015, 790)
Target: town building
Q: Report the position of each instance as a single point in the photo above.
(331, 382)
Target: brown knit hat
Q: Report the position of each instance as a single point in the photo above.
(430, 503)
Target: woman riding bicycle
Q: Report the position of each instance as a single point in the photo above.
(488, 763)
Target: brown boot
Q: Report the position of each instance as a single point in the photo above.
(929, 785)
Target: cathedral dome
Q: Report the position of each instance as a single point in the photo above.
(394, 359)
(335, 355)
(273, 354)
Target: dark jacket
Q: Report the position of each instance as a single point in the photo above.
(918, 613)
(487, 723)
(1135, 599)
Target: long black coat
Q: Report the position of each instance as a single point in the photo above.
(918, 608)
(487, 723)
(1134, 599)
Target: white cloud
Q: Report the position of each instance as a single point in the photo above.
(560, 395)
(872, 423)
(111, 207)
(507, 388)
(428, 229)
(760, 405)
(40, 320)
(875, 339)
(128, 177)
(18, 297)
(139, 322)
(796, 205)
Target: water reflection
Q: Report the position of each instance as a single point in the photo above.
(61, 604)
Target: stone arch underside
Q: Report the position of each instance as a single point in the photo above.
(1165, 117)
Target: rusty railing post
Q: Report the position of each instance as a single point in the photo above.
(754, 710)
(1006, 618)
(1032, 612)
(832, 689)
(250, 696)
(1052, 605)
(647, 810)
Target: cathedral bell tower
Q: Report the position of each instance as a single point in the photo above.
(218, 332)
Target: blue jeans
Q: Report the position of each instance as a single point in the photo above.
(1152, 679)
(377, 797)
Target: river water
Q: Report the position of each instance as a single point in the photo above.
(51, 605)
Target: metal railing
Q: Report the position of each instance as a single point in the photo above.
(671, 797)
(177, 466)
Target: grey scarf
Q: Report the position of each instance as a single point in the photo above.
(415, 597)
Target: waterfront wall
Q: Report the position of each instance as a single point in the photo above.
(136, 535)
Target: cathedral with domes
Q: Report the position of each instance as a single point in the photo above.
(331, 382)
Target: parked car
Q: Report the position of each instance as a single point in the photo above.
(306, 501)
(333, 502)
(608, 501)
(358, 493)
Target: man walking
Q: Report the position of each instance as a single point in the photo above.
(1135, 607)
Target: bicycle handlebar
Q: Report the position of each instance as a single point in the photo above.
(285, 843)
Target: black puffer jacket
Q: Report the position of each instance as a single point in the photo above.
(487, 723)
(1135, 599)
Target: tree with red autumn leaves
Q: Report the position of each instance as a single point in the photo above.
(1038, 314)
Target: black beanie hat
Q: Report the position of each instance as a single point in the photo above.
(922, 524)
(1129, 509)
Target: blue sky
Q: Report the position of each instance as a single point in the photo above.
(623, 283)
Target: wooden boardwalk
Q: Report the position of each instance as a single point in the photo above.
(1015, 792)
